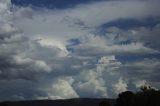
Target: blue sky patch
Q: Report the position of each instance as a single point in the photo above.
(127, 24)
(51, 4)
(133, 58)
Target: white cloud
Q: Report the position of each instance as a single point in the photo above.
(33, 64)
(58, 26)
(141, 83)
(120, 86)
(62, 89)
(89, 84)
(99, 13)
(100, 45)
(95, 81)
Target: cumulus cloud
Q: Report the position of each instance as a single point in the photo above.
(95, 81)
(120, 86)
(90, 85)
(62, 89)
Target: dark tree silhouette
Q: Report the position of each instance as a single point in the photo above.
(125, 99)
(148, 96)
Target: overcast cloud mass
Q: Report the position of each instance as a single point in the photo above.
(91, 49)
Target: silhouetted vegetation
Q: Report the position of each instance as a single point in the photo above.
(3, 104)
(104, 103)
(148, 96)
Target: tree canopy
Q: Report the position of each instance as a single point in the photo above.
(148, 96)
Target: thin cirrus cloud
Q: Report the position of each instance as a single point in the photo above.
(56, 54)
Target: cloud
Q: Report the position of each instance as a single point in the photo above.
(58, 26)
(63, 90)
(19, 90)
(25, 68)
(149, 36)
(144, 69)
(90, 85)
(109, 77)
(120, 86)
(109, 11)
(38, 59)
(92, 45)
(95, 81)
(141, 83)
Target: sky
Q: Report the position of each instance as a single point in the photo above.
(61, 49)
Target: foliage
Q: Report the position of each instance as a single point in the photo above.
(148, 96)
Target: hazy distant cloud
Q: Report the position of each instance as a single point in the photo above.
(145, 69)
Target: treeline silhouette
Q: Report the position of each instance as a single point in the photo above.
(147, 96)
